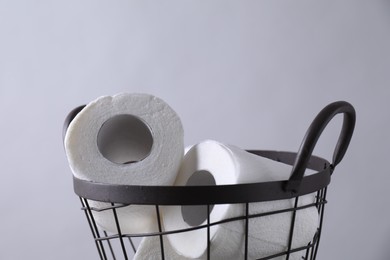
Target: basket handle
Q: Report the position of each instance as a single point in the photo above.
(314, 132)
(72, 114)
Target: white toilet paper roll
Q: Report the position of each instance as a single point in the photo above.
(212, 163)
(269, 234)
(133, 139)
(150, 249)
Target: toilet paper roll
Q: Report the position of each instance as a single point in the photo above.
(150, 249)
(269, 234)
(213, 163)
(129, 139)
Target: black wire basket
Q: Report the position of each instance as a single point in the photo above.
(120, 245)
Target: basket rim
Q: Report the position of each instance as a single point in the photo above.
(207, 195)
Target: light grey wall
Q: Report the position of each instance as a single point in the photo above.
(250, 73)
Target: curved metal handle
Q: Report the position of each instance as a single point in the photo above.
(314, 132)
(72, 114)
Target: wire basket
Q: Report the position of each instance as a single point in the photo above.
(120, 245)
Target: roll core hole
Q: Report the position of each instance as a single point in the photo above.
(125, 139)
(194, 215)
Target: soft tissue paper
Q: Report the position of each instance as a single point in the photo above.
(150, 249)
(126, 139)
(213, 163)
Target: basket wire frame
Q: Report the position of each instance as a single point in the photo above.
(103, 240)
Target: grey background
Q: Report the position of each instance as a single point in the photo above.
(249, 73)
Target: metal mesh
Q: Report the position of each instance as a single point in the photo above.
(123, 246)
